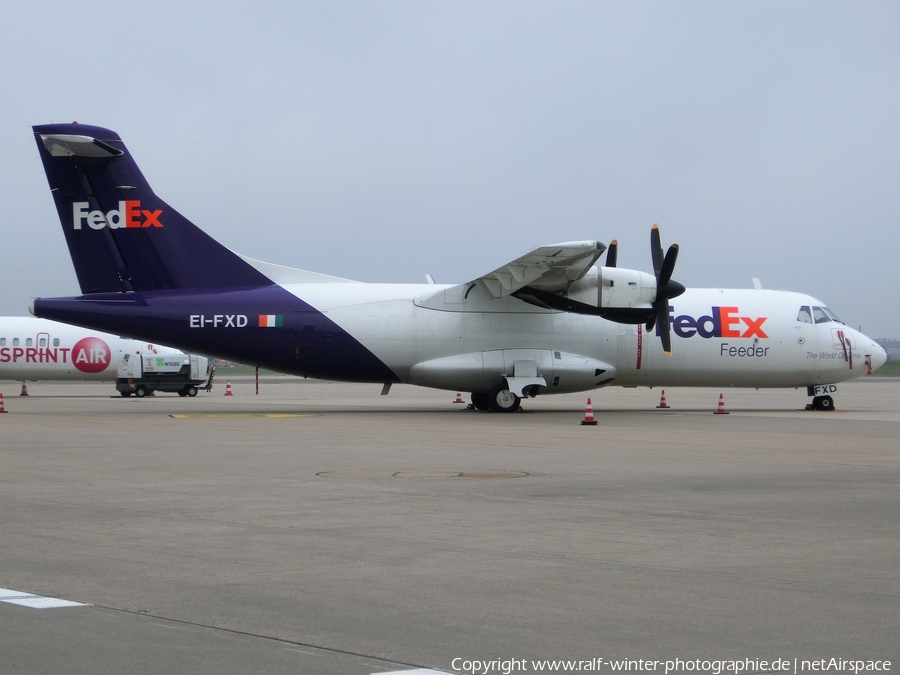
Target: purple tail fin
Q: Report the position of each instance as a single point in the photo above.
(121, 236)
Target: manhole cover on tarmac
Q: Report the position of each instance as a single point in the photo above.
(422, 474)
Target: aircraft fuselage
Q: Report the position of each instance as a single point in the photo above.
(401, 333)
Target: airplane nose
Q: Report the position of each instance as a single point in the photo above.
(871, 349)
(879, 356)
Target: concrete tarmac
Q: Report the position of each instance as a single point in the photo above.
(322, 528)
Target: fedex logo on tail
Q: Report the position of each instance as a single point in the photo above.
(721, 322)
(129, 214)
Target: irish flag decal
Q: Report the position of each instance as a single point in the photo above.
(271, 320)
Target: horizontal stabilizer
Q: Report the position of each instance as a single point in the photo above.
(280, 274)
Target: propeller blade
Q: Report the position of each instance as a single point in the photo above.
(656, 250)
(612, 253)
(665, 333)
(665, 288)
(668, 265)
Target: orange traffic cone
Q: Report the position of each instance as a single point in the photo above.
(662, 399)
(721, 409)
(459, 398)
(228, 391)
(2, 409)
(24, 390)
(589, 415)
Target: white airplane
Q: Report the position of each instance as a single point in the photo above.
(551, 321)
(38, 349)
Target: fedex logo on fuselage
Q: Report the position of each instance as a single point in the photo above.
(721, 322)
(129, 214)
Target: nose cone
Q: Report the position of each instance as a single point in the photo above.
(879, 356)
(871, 349)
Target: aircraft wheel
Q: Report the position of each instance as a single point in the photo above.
(481, 400)
(192, 391)
(823, 403)
(141, 391)
(503, 400)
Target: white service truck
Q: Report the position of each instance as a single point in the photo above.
(142, 374)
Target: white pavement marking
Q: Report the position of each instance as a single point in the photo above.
(35, 601)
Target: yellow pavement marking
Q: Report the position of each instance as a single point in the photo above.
(239, 415)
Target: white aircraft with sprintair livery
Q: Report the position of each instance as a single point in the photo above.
(38, 349)
(551, 321)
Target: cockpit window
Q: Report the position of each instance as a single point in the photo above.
(831, 315)
(820, 315)
(804, 316)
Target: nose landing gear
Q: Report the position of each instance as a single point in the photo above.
(821, 394)
(821, 403)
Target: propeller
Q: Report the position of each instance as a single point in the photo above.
(612, 253)
(665, 288)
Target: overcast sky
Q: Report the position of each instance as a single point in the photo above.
(385, 140)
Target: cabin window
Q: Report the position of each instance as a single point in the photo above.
(29, 342)
(2, 342)
(804, 316)
(42, 342)
(15, 342)
(56, 342)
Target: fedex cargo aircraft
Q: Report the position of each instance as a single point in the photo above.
(38, 349)
(550, 321)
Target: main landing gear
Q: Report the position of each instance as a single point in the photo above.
(499, 399)
(480, 400)
(502, 399)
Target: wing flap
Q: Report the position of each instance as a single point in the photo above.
(549, 268)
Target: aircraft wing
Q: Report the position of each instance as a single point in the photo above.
(549, 268)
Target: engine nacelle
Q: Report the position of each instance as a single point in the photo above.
(614, 288)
